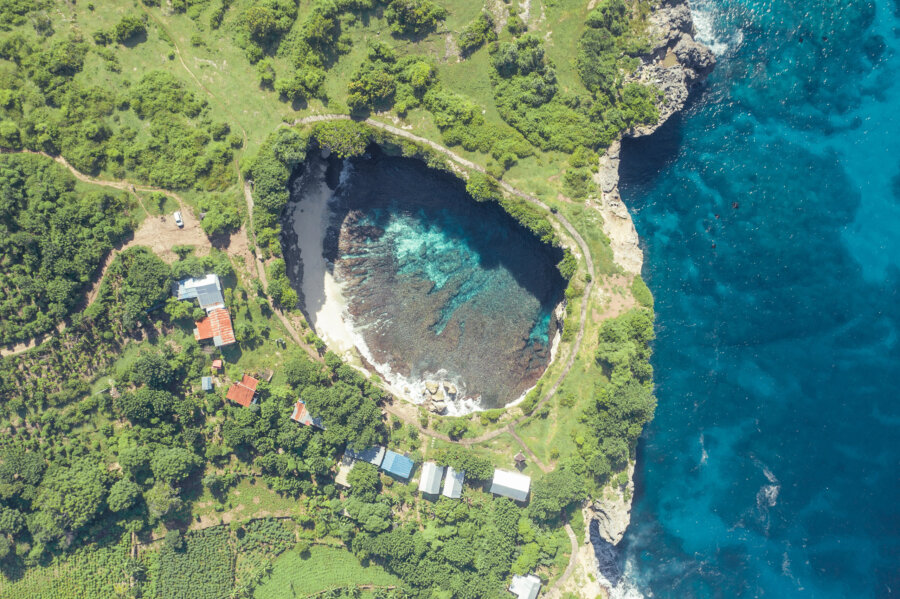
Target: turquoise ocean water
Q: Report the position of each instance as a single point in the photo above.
(770, 214)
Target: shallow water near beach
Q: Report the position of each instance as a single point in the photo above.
(433, 286)
(770, 215)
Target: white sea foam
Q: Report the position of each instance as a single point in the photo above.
(625, 589)
(706, 14)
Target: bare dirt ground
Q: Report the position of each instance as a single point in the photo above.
(617, 299)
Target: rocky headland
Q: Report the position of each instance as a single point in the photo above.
(677, 64)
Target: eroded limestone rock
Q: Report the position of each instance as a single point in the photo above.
(612, 511)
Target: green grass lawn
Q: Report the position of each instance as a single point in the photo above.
(250, 498)
(323, 568)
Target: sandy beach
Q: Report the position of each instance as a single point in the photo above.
(324, 303)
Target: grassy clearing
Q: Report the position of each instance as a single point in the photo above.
(249, 499)
(323, 568)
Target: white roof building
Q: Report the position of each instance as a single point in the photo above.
(206, 290)
(430, 482)
(453, 483)
(511, 484)
(525, 587)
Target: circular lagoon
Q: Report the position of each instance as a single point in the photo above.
(450, 300)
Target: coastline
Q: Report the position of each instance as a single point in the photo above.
(320, 292)
(677, 64)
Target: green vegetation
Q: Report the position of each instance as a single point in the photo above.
(52, 240)
(201, 565)
(467, 551)
(414, 17)
(641, 292)
(477, 33)
(621, 408)
(297, 574)
(112, 447)
(158, 131)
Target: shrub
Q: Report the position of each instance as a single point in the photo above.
(414, 17)
(477, 33)
(128, 28)
(344, 137)
(641, 292)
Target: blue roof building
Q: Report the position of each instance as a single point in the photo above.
(396, 464)
(206, 383)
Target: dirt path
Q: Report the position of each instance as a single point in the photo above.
(248, 195)
(570, 568)
(158, 232)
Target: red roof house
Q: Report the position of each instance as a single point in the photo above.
(217, 365)
(216, 325)
(243, 392)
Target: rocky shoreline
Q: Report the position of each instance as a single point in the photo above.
(677, 64)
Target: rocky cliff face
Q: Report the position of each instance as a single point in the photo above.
(676, 62)
(612, 511)
(676, 65)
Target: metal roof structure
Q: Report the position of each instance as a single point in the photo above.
(216, 325)
(207, 290)
(373, 455)
(431, 478)
(206, 383)
(243, 392)
(525, 587)
(344, 468)
(511, 484)
(302, 415)
(453, 483)
(397, 464)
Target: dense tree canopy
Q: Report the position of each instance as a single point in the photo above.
(52, 240)
(136, 281)
(68, 498)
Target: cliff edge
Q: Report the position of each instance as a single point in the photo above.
(677, 64)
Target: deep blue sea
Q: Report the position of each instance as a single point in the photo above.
(770, 214)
